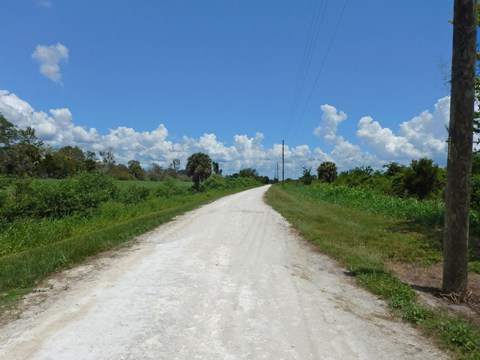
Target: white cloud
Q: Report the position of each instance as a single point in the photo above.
(423, 135)
(345, 154)
(49, 58)
(385, 143)
(56, 130)
(331, 118)
(428, 131)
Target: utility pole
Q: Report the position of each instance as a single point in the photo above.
(283, 161)
(460, 137)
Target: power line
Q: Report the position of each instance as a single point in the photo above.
(308, 59)
(310, 47)
(322, 64)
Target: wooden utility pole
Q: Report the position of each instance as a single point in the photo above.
(459, 165)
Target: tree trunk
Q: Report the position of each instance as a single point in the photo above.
(457, 201)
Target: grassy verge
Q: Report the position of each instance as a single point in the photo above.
(363, 242)
(52, 245)
(428, 212)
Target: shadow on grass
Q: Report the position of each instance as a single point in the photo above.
(365, 271)
(434, 237)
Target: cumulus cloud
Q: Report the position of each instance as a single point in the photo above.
(385, 143)
(428, 131)
(56, 129)
(331, 118)
(344, 153)
(49, 58)
(423, 135)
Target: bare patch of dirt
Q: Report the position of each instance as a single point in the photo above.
(427, 282)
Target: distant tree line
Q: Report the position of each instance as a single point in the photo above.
(200, 167)
(22, 154)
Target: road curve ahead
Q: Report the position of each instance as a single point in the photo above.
(230, 280)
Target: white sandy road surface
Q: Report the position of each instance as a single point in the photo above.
(227, 281)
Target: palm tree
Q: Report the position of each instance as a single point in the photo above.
(327, 171)
(199, 167)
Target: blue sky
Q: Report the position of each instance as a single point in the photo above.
(155, 80)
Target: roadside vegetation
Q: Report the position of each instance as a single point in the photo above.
(365, 230)
(60, 206)
(48, 227)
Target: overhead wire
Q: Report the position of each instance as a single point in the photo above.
(310, 47)
(322, 64)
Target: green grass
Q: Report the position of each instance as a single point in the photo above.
(428, 212)
(412, 212)
(363, 242)
(362, 238)
(25, 268)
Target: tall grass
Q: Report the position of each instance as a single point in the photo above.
(425, 212)
(429, 212)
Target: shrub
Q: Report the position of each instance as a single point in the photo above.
(307, 177)
(86, 191)
(475, 196)
(216, 182)
(422, 178)
(81, 193)
(132, 194)
(5, 181)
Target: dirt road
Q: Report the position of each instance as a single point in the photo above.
(227, 281)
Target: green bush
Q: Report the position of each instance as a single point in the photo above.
(5, 181)
(216, 182)
(79, 194)
(132, 194)
(168, 188)
(85, 191)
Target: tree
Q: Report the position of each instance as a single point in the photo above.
(69, 160)
(307, 177)
(175, 165)
(421, 179)
(393, 168)
(156, 172)
(199, 168)
(120, 172)
(90, 162)
(20, 150)
(216, 168)
(248, 172)
(136, 169)
(8, 132)
(476, 118)
(327, 171)
(460, 138)
(108, 160)
(48, 167)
